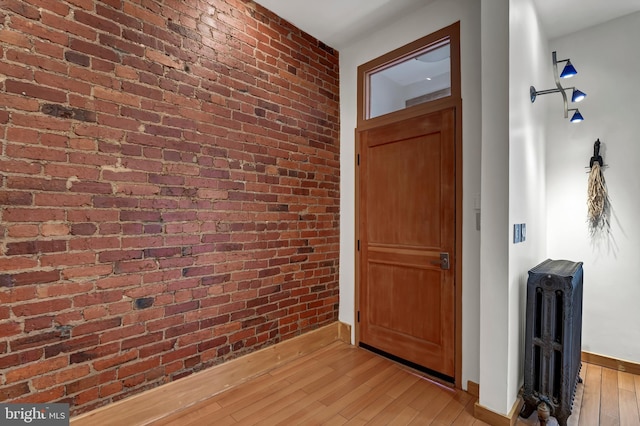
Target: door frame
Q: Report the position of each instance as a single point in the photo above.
(452, 101)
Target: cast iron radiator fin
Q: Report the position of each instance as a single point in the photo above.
(553, 338)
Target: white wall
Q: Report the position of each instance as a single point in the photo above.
(514, 55)
(494, 247)
(420, 23)
(608, 64)
(529, 64)
(387, 96)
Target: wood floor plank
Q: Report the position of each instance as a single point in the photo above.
(397, 389)
(628, 408)
(609, 407)
(342, 391)
(307, 362)
(626, 381)
(243, 395)
(190, 416)
(240, 392)
(590, 414)
(428, 395)
(306, 377)
(372, 363)
(392, 389)
(429, 413)
(308, 412)
(637, 386)
(338, 405)
(261, 416)
(264, 404)
(370, 411)
(336, 420)
(253, 401)
(453, 409)
(383, 376)
(574, 418)
(465, 418)
(396, 407)
(406, 416)
(360, 404)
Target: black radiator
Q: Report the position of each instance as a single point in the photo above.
(553, 339)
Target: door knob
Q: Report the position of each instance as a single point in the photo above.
(444, 261)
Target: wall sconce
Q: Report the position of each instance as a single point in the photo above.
(567, 72)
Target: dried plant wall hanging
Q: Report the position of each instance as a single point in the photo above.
(598, 206)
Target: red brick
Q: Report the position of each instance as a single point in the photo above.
(54, 229)
(96, 22)
(119, 17)
(35, 153)
(86, 396)
(110, 389)
(11, 70)
(34, 247)
(92, 49)
(96, 298)
(106, 363)
(88, 271)
(93, 243)
(21, 358)
(42, 34)
(15, 198)
(138, 367)
(39, 323)
(21, 182)
(50, 380)
(36, 277)
(35, 91)
(9, 393)
(71, 345)
(40, 55)
(55, 7)
(118, 281)
(35, 369)
(10, 328)
(21, 8)
(121, 334)
(39, 308)
(91, 187)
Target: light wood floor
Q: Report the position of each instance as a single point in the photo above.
(344, 385)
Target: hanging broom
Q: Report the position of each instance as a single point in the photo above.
(597, 197)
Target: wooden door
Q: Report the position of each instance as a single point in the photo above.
(406, 223)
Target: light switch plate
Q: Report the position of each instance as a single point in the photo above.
(517, 236)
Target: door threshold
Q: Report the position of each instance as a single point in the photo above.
(432, 374)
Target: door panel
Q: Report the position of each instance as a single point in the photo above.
(406, 220)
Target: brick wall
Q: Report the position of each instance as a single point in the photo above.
(169, 191)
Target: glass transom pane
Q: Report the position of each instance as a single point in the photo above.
(421, 77)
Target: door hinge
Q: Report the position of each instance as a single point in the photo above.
(358, 159)
(358, 316)
(358, 245)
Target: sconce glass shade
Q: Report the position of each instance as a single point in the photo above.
(568, 71)
(577, 117)
(578, 95)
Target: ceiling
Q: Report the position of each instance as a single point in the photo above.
(338, 22)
